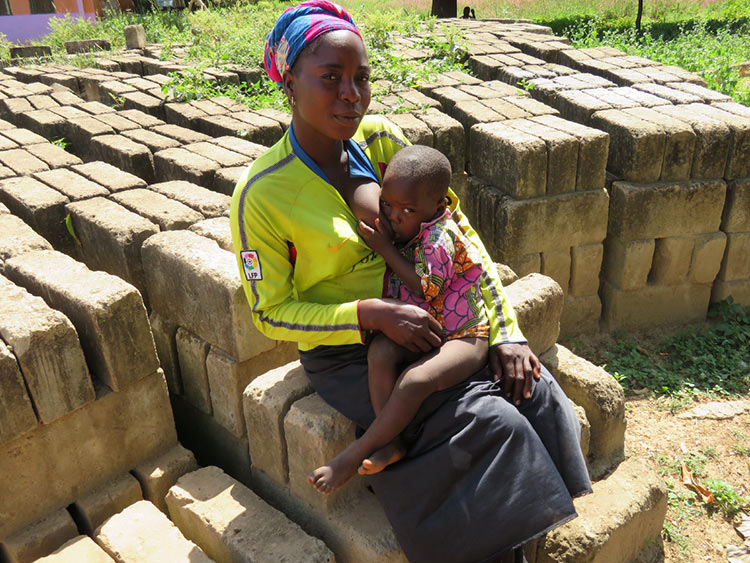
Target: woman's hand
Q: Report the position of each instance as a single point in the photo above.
(518, 364)
(407, 325)
(379, 238)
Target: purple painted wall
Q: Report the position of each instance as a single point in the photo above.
(34, 26)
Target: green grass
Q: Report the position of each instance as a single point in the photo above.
(714, 358)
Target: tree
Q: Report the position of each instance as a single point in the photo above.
(444, 8)
(637, 17)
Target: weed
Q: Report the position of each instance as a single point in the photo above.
(525, 85)
(672, 534)
(118, 102)
(727, 500)
(61, 142)
(712, 358)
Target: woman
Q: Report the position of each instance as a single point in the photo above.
(485, 471)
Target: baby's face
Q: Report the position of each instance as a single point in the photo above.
(406, 205)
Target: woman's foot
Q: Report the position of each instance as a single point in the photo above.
(329, 478)
(382, 458)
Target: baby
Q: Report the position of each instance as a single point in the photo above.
(437, 268)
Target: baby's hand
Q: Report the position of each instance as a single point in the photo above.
(377, 239)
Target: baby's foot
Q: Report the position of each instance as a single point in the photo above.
(329, 478)
(382, 458)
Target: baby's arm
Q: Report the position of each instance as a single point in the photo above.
(380, 241)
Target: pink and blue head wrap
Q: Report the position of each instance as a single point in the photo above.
(297, 27)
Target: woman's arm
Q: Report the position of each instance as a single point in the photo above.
(407, 325)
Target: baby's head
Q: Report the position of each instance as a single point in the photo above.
(414, 189)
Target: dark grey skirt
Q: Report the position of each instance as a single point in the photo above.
(481, 476)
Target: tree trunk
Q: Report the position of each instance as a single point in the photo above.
(445, 8)
(637, 17)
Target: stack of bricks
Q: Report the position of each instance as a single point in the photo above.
(209, 348)
(536, 191)
(85, 423)
(669, 136)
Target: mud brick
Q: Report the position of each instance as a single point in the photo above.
(89, 86)
(208, 107)
(259, 129)
(581, 314)
(712, 138)
(411, 96)
(140, 83)
(181, 134)
(112, 178)
(80, 548)
(505, 108)
(702, 92)
(6, 143)
(627, 263)
(266, 401)
(53, 156)
(95, 108)
(164, 331)
(562, 154)
(40, 538)
(216, 229)
(208, 203)
(448, 136)
(95, 507)
(41, 101)
(211, 280)
(665, 209)
(23, 136)
(672, 256)
(181, 164)
(736, 216)
(284, 118)
(611, 96)
(733, 107)
(538, 302)
(159, 474)
(5, 125)
(469, 113)
(636, 148)
(707, 255)
(514, 161)
(144, 102)
(111, 238)
(653, 305)
(80, 131)
(579, 106)
(182, 114)
(129, 64)
(110, 92)
(593, 148)
(191, 353)
(165, 212)
(738, 290)
(68, 112)
(141, 118)
(142, 533)
(315, 433)
(135, 36)
(48, 352)
(736, 263)
(667, 93)
(16, 238)
(117, 122)
(578, 218)
(212, 151)
(124, 154)
(247, 148)
(531, 106)
(738, 161)
(16, 412)
(414, 129)
(22, 162)
(586, 263)
(526, 264)
(556, 265)
(152, 140)
(108, 313)
(260, 532)
(228, 378)
(12, 108)
(73, 185)
(135, 424)
(41, 207)
(226, 179)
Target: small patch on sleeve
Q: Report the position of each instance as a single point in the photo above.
(251, 265)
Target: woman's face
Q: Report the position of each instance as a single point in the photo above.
(330, 85)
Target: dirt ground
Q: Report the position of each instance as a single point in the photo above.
(658, 432)
(721, 448)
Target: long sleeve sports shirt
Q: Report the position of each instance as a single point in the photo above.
(303, 265)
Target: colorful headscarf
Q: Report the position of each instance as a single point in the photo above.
(297, 27)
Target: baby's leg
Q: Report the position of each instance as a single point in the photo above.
(385, 360)
(441, 368)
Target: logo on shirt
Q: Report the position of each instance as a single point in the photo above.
(251, 265)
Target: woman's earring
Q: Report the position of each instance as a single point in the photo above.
(292, 101)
